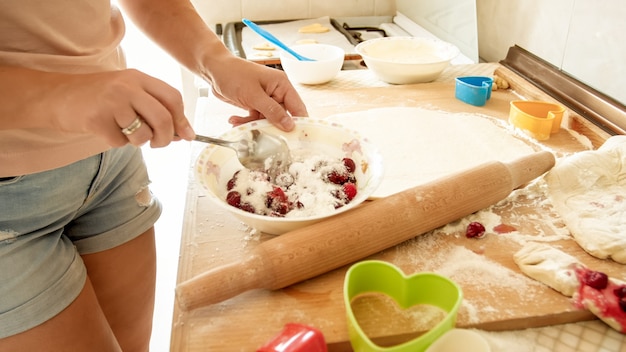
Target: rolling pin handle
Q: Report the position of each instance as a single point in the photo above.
(527, 168)
(222, 283)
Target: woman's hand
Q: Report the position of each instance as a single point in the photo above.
(263, 91)
(120, 98)
(102, 104)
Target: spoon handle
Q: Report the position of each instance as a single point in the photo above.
(211, 140)
(267, 35)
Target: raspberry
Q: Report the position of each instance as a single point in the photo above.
(595, 279)
(620, 291)
(350, 190)
(233, 181)
(475, 230)
(278, 193)
(337, 178)
(277, 201)
(622, 304)
(280, 209)
(247, 207)
(233, 198)
(350, 165)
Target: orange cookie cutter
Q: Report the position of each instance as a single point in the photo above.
(539, 119)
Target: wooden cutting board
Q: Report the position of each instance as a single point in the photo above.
(497, 295)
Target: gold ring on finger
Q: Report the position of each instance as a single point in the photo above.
(134, 126)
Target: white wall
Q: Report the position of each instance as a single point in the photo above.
(585, 38)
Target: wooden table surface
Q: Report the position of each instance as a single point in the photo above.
(212, 237)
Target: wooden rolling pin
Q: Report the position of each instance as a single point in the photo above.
(348, 237)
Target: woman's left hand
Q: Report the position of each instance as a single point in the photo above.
(263, 91)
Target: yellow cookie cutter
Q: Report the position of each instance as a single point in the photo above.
(539, 119)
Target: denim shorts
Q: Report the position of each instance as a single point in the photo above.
(49, 219)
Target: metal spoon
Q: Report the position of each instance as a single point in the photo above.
(257, 150)
(267, 35)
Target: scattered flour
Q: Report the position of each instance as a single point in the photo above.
(379, 314)
(519, 210)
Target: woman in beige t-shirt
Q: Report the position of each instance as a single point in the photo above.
(77, 257)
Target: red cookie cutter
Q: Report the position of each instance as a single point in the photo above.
(296, 338)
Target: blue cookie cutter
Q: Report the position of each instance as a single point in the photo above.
(474, 90)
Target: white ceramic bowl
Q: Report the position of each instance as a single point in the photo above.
(216, 165)
(328, 62)
(406, 60)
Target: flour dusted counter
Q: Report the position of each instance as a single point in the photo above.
(497, 296)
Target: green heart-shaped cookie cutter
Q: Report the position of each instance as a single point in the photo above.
(420, 288)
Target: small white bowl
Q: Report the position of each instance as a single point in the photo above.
(328, 62)
(406, 60)
(216, 165)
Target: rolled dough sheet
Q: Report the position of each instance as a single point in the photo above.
(420, 145)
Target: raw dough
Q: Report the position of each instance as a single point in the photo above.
(263, 54)
(307, 41)
(548, 265)
(314, 28)
(420, 145)
(264, 46)
(588, 190)
(603, 302)
(565, 274)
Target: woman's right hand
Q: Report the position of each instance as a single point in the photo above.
(101, 104)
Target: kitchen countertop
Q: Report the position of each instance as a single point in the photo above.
(206, 226)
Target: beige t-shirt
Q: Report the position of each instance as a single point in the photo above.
(73, 36)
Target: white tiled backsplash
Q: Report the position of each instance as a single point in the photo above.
(585, 38)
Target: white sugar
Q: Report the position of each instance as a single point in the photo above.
(304, 184)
